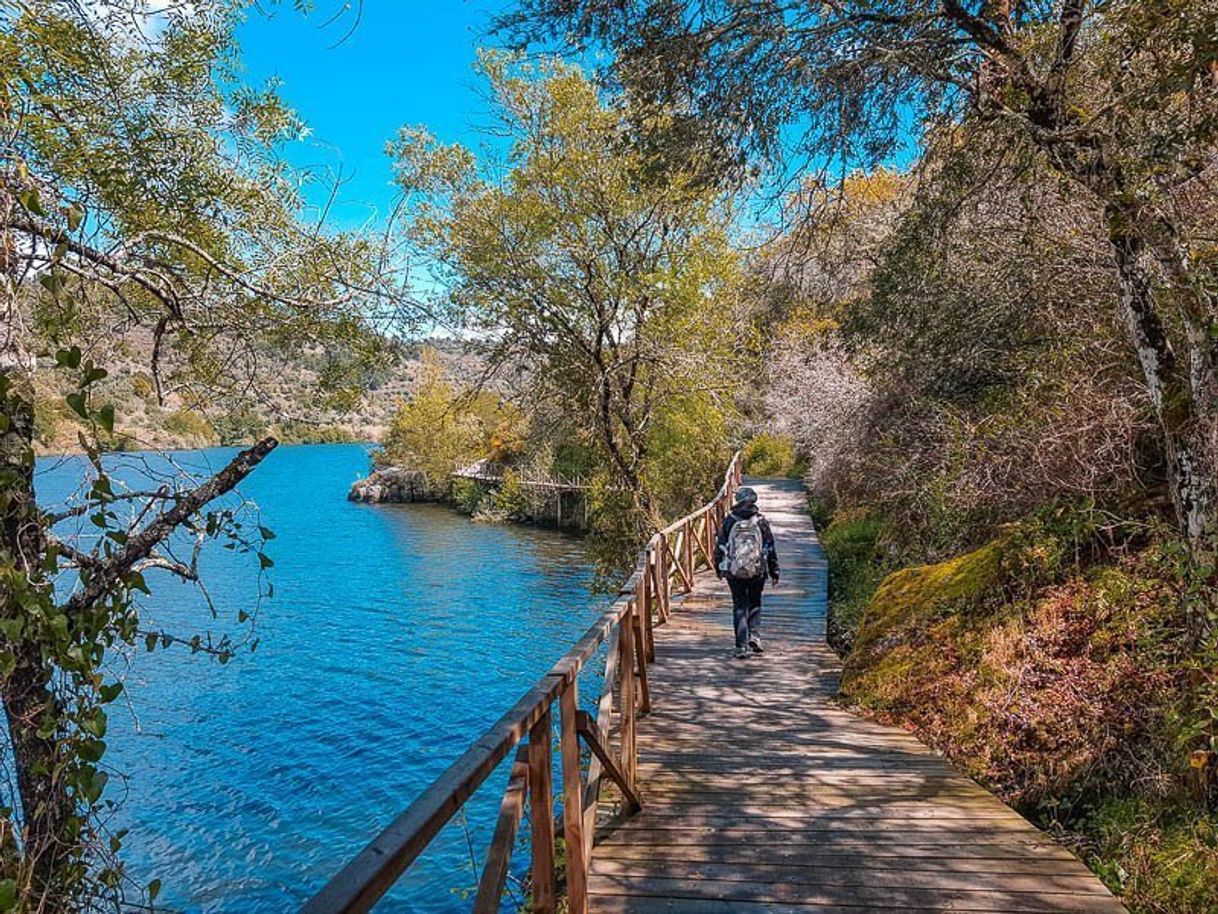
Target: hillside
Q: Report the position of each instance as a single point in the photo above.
(285, 394)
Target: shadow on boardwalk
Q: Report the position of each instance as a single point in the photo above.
(761, 794)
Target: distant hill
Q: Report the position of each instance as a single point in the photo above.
(282, 394)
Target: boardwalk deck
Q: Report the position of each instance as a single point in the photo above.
(761, 794)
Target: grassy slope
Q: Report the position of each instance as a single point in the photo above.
(1057, 686)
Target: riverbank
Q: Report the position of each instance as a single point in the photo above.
(504, 498)
(1054, 667)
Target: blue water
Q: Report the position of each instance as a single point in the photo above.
(395, 635)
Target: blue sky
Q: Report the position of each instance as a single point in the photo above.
(407, 62)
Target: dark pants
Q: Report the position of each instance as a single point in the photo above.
(746, 608)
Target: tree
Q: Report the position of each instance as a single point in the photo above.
(138, 188)
(1122, 98)
(603, 277)
(439, 428)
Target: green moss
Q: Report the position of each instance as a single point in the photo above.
(924, 593)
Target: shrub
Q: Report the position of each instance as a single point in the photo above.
(852, 543)
(142, 386)
(296, 432)
(772, 455)
(189, 426)
(470, 496)
(512, 499)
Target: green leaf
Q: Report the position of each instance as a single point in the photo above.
(105, 417)
(265, 561)
(32, 201)
(93, 373)
(8, 894)
(110, 692)
(95, 723)
(92, 750)
(150, 640)
(154, 889)
(76, 215)
(79, 403)
(68, 358)
(266, 532)
(242, 616)
(136, 581)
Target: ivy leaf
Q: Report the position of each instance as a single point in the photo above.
(110, 692)
(135, 581)
(93, 373)
(266, 532)
(105, 417)
(150, 640)
(76, 400)
(154, 889)
(265, 561)
(68, 358)
(8, 894)
(95, 723)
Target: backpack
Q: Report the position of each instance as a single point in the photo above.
(745, 548)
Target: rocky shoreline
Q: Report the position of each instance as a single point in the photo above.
(392, 485)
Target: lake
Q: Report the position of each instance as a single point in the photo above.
(396, 633)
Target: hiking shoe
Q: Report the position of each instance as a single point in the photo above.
(740, 653)
(756, 646)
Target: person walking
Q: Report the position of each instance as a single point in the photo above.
(744, 554)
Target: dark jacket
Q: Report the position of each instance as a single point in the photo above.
(742, 512)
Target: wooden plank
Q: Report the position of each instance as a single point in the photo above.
(588, 731)
(541, 815)
(1073, 883)
(572, 800)
(901, 897)
(499, 856)
(762, 794)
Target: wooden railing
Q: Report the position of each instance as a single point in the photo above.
(668, 562)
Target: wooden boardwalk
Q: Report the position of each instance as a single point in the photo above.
(761, 794)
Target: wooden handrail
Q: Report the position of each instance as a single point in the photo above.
(644, 602)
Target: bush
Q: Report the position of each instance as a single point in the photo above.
(142, 386)
(242, 425)
(772, 456)
(512, 500)
(189, 426)
(470, 496)
(295, 432)
(852, 543)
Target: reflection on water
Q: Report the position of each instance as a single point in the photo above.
(396, 633)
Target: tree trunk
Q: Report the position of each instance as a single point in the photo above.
(1168, 384)
(27, 695)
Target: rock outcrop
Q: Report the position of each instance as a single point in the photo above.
(390, 485)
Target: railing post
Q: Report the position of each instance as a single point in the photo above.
(573, 802)
(651, 596)
(639, 641)
(688, 557)
(665, 606)
(627, 646)
(541, 812)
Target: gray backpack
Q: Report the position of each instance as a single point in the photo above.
(745, 548)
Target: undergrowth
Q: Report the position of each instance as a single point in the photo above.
(1058, 665)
